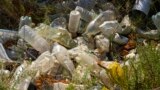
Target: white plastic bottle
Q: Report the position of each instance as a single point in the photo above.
(74, 21)
(36, 41)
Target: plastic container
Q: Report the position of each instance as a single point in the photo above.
(74, 21)
(59, 22)
(36, 41)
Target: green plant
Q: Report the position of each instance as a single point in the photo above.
(144, 73)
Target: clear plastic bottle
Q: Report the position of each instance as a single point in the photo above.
(85, 14)
(93, 27)
(3, 53)
(74, 21)
(62, 56)
(156, 20)
(25, 20)
(36, 41)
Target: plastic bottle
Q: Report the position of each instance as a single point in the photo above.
(93, 27)
(156, 20)
(85, 14)
(3, 53)
(74, 21)
(36, 41)
(25, 20)
(109, 28)
(62, 56)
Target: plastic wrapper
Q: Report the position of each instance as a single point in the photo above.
(62, 56)
(35, 40)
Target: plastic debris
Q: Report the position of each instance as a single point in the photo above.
(35, 40)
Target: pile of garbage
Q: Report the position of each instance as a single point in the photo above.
(70, 50)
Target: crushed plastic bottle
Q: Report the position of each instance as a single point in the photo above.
(62, 56)
(85, 14)
(59, 22)
(120, 39)
(102, 43)
(25, 20)
(74, 21)
(35, 40)
(93, 27)
(44, 63)
(109, 28)
(60, 35)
